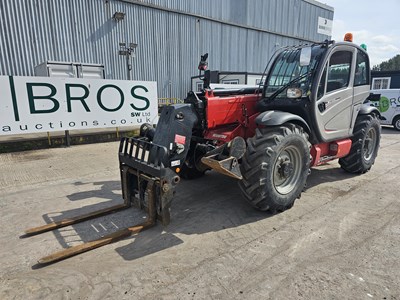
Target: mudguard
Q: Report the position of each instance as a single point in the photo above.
(367, 109)
(276, 117)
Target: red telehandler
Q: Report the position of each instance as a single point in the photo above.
(311, 108)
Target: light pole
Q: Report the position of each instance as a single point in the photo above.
(128, 51)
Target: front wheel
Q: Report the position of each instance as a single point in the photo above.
(365, 145)
(275, 167)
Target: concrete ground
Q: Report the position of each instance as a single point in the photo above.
(341, 240)
(45, 140)
(54, 134)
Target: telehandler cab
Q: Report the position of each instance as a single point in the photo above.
(310, 108)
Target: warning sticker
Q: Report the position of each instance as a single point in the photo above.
(180, 139)
(175, 163)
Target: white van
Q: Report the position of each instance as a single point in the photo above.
(389, 106)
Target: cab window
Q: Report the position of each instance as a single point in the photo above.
(339, 70)
(321, 86)
(361, 75)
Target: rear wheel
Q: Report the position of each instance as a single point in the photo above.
(365, 145)
(275, 167)
(396, 123)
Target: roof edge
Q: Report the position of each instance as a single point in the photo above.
(322, 5)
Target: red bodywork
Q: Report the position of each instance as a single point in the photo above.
(322, 153)
(230, 116)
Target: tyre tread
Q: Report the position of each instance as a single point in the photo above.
(261, 148)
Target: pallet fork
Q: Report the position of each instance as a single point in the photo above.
(146, 183)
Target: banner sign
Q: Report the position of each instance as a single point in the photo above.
(41, 104)
(324, 26)
(388, 104)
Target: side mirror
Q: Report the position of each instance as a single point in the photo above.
(305, 56)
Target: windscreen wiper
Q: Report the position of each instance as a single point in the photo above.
(282, 88)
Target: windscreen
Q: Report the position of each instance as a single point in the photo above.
(288, 71)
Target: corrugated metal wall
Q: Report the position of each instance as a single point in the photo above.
(239, 35)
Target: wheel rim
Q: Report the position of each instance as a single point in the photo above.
(397, 124)
(370, 144)
(287, 170)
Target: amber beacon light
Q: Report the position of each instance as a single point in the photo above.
(348, 37)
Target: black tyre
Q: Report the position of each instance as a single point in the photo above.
(396, 123)
(275, 167)
(364, 149)
(189, 168)
(189, 171)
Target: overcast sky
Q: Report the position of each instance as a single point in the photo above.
(374, 23)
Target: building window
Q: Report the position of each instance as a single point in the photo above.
(381, 83)
(199, 86)
(230, 81)
(259, 82)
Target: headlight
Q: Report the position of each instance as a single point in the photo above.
(294, 93)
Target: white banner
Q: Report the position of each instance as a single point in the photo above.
(41, 104)
(324, 26)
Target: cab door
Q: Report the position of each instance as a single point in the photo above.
(334, 105)
(361, 85)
